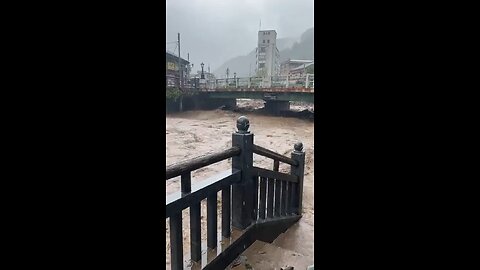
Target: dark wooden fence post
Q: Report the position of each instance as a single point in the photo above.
(243, 209)
(297, 193)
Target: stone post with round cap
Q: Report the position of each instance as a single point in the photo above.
(243, 210)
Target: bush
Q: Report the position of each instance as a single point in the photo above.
(173, 93)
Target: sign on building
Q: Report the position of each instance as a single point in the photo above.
(171, 66)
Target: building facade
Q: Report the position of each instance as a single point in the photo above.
(173, 72)
(294, 66)
(267, 54)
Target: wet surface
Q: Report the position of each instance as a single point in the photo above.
(194, 133)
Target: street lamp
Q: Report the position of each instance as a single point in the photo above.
(203, 76)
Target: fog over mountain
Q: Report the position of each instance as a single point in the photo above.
(214, 31)
(300, 47)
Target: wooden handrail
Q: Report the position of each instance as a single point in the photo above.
(199, 162)
(273, 155)
(274, 175)
(177, 201)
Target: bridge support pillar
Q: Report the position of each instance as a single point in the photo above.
(276, 106)
(203, 102)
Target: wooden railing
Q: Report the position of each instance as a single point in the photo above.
(262, 203)
(185, 167)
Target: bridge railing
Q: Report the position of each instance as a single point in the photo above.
(259, 202)
(280, 81)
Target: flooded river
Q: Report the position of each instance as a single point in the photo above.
(194, 133)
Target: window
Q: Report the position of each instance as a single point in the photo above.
(264, 41)
(261, 65)
(262, 49)
(268, 41)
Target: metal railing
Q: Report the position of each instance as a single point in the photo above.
(301, 81)
(283, 81)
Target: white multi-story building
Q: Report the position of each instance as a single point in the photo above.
(268, 57)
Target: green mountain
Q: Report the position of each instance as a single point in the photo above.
(293, 48)
(302, 50)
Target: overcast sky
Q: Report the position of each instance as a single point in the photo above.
(213, 31)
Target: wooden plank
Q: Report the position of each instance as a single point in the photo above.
(199, 162)
(263, 193)
(270, 189)
(289, 198)
(272, 174)
(176, 241)
(255, 198)
(177, 201)
(234, 250)
(273, 155)
(269, 229)
(294, 199)
(212, 220)
(284, 199)
(278, 197)
(186, 182)
(226, 211)
(195, 232)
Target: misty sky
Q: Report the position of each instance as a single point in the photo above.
(213, 31)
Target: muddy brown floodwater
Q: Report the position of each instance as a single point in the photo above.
(194, 133)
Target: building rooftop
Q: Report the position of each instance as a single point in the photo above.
(297, 61)
(301, 67)
(184, 61)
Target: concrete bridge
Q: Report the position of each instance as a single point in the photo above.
(277, 91)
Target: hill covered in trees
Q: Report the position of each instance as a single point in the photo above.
(293, 48)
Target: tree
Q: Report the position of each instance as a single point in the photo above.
(310, 69)
(173, 93)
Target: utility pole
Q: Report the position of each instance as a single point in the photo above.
(180, 74)
(188, 68)
(228, 70)
(179, 69)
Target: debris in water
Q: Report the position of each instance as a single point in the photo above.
(237, 262)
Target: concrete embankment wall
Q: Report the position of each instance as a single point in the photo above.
(199, 102)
